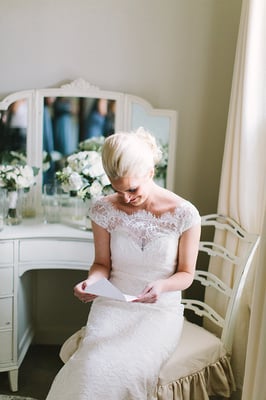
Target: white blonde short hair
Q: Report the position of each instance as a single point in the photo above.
(131, 154)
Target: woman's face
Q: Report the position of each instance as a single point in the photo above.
(102, 106)
(133, 191)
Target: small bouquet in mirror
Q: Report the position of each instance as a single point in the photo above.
(92, 144)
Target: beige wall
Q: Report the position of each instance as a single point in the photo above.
(177, 54)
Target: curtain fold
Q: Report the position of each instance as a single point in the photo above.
(243, 187)
(255, 382)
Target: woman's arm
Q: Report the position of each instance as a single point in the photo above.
(187, 256)
(101, 266)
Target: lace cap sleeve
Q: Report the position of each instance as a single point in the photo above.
(191, 216)
(100, 212)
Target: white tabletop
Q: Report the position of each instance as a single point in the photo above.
(35, 227)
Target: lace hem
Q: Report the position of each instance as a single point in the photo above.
(215, 379)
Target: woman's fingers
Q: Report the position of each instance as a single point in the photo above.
(79, 292)
(88, 298)
(151, 293)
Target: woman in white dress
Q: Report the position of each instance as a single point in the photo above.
(146, 243)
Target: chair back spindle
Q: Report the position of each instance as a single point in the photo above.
(232, 248)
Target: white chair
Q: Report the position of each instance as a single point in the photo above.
(200, 365)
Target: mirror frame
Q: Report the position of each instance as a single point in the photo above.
(170, 116)
(82, 88)
(29, 96)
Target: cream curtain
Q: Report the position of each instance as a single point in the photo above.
(243, 189)
(255, 373)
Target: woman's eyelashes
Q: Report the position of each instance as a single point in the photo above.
(133, 190)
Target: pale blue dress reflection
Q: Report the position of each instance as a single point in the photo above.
(65, 127)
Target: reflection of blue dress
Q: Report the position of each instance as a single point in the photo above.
(95, 125)
(48, 143)
(65, 131)
(48, 138)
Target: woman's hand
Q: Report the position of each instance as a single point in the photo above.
(151, 293)
(79, 292)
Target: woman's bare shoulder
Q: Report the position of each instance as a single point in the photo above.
(172, 199)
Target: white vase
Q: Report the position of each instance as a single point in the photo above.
(14, 213)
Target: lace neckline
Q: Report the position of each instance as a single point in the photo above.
(145, 213)
(143, 225)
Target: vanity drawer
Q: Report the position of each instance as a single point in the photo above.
(55, 250)
(6, 253)
(6, 280)
(6, 312)
(6, 351)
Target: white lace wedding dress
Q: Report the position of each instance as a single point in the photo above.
(125, 344)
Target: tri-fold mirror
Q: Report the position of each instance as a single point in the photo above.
(44, 126)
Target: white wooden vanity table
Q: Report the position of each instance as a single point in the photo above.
(30, 246)
(34, 245)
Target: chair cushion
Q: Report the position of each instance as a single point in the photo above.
(196, 349)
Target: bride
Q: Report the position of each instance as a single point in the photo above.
(146, 243)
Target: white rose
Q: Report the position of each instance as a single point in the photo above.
(75, 181)
(96, 189)
(82, 164)
(27, 179)
(92, 156)
(96, 169)
(73, 163)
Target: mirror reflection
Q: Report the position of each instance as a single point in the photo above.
(13, 129)
(68, 121)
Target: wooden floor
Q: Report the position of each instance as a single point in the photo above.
(36, 372)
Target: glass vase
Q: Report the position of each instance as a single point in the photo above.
(78, 209)
(3, 207)
(52, 203)
(28, 204)
(14, 213)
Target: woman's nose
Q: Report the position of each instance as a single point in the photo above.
(127, 197)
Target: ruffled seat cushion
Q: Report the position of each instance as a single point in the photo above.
(198, 368)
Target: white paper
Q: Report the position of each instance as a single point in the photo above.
(105, 288)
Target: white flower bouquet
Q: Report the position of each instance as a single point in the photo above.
(161, 167)
(85, 175)
(14, 177)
